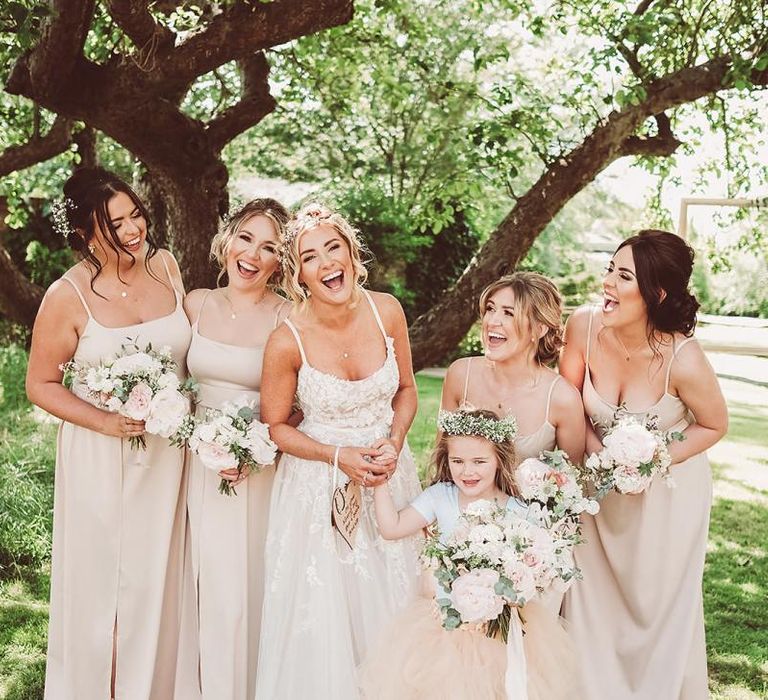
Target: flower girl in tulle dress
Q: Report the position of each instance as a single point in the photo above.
(416, 656)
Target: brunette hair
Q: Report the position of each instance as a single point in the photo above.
(267, 207)
(664, 263)
(88, 192)
(505, 455)
(538, 301)
(308, 217)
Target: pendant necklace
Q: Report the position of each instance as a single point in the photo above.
(627, 353)
(233, 313)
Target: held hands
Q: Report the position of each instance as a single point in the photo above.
(235, 477)
(122, 427)
(361, 466)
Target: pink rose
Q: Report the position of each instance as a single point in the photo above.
(629, 480)
(139, 401)
(215, 456)
(474, 598)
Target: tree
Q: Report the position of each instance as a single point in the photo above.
(611, 81)
(126, 68)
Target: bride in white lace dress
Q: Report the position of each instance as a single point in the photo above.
(344, 354)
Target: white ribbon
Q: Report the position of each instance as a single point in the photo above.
(516, 678)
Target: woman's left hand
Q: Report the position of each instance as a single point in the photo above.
(234, 476)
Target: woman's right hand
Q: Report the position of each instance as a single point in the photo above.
(121, 426)
(353, 462)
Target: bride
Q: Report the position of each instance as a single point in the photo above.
(344, 354)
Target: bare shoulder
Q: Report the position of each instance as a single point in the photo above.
(456, 376)
(389, 307)
(193, 301)
(173, 265)
(281, 342)
(578, 321)
(690, 362)
(565, 396)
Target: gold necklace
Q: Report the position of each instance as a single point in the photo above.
(233, 313)
(627, 353)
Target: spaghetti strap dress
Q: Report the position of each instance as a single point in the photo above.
(324, 604)
(118, 541)
(637, 615)
(224, 568)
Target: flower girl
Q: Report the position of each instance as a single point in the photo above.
(426, 655)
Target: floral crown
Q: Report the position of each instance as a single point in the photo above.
(464, 422)
(60, 216)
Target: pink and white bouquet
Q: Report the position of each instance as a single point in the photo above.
(556, 485)
(634, 452)
(232, 438)
(495, 560)
(139, 384)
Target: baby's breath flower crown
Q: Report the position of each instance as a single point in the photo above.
(464, 423)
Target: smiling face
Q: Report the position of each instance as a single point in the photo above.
(326, 265)
(473, 463)
(252, 253)
(504, 333)
(128, 223)
(623, 303)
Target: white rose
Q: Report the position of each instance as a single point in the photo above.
(481, 509)
(630, 444)
(98, 379)
(628, 479)
(522, 577)
(530, 476)
(167, 412)
(260, 445)
(215, 456)
(168, 380)
(474, 598)
(138, 403)
(137, 362)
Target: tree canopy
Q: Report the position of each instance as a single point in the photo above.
(476, 122)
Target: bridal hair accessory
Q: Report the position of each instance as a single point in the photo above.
(60, 216)
(462, 422)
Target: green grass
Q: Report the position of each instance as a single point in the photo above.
(735, 580)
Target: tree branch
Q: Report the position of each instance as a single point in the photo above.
(39, 149)
(134, 18)
(60, 45)
(255, 102)
(455, 312)
(243, 29)
(663, 144)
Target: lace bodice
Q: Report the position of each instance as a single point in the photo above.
(351, 411)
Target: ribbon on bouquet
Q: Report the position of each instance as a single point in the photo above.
(516, 678)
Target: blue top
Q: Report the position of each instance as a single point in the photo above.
(441, 502)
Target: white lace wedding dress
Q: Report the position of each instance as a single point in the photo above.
(324, 604)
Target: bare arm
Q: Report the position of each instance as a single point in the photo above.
(278, 388)
(193, 302)
(572, 366)
(54, 341)
(567, 415)
(453, 385)
(394, 524)
(696, 384)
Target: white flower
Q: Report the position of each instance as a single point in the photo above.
(168, 380)
(137, 362)
(474, 598)
(98, 379)
(215, 457)
(628, 479)
(113, 404)
(260, 445)
(522, 577)
(138, 404)
(166, 413)
(482, 509)
(530, 476)
(630, 444)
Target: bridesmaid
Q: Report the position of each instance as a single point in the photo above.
(117, 526)
(224, 581)
(637, 616)
(522, 333)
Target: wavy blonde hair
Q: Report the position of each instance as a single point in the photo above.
(311, 216)
(538, 301)
(222, 241)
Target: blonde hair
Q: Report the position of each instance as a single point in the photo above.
(538, 301)
(266, 207)
(505, 456)
(311, 216)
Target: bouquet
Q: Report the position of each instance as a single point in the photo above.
(555, 484)
(139, 384)
(494, 560)
(634, 451)
(232, 438)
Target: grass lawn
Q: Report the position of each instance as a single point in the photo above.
(736, 576)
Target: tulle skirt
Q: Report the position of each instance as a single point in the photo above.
(417, 659)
